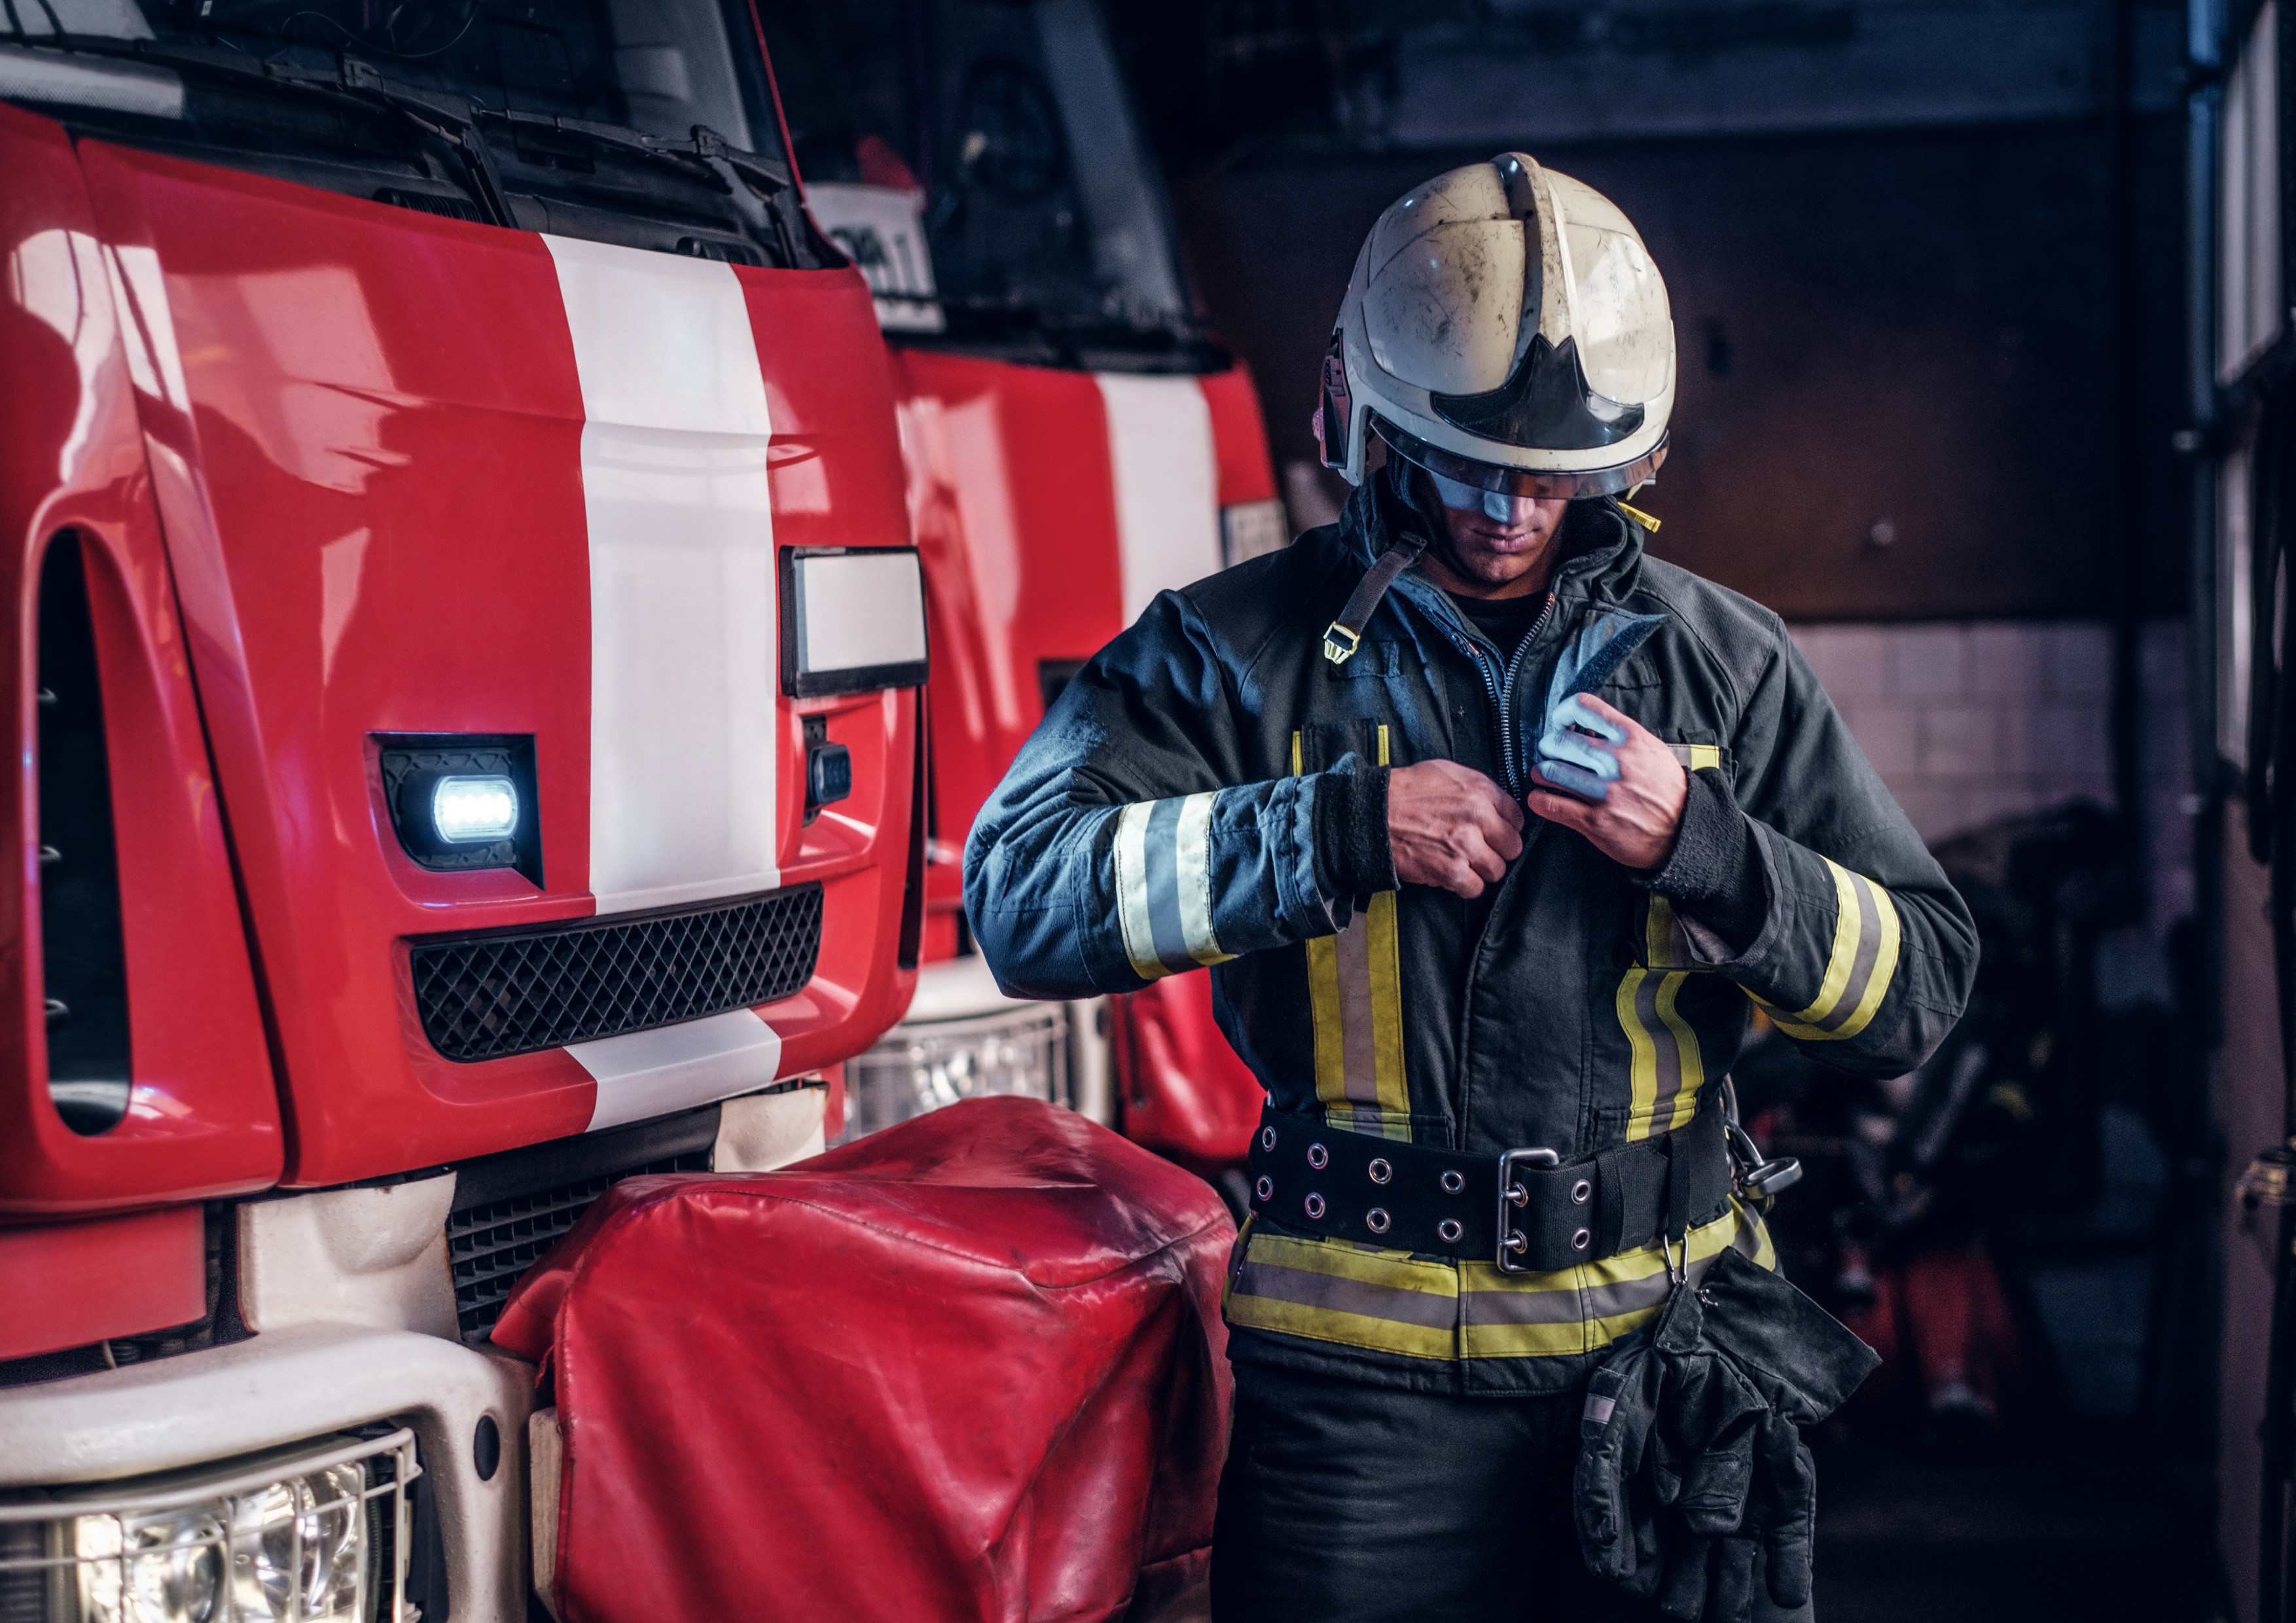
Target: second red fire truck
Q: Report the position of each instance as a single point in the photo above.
(1075, 442)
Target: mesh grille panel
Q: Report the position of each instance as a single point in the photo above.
(490, 1246)
(515, 991)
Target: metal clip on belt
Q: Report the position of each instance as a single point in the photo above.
(1526, 1210)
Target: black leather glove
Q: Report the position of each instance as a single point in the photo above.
(1692, 1461)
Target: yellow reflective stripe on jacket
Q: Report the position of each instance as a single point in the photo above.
(1666, 1067)
(1390, 1301)
(1697, 758)
(1508, 1316)
(1329, 1291)
(1355, 988)
(1164, 885)
(1867, 936)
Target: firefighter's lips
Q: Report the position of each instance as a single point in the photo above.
(1508, 539)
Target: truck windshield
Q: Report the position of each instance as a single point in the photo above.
(1010, 128)
(648, 122)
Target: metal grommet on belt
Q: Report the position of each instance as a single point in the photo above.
(1376, 1219)
(1380, 1170)
(1454, 1182)
(1265, 1188)
(1581, 1190)
(1450, 1230)
(1314, 1204)
(1318, 1157)
(1267, 1138)
(1579, 1241)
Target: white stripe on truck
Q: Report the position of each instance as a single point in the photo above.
(1160, 440)
(685, 666)
(684, 671)
(652, 1073)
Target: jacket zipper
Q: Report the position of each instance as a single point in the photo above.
(1500, 686)
(1501, 689)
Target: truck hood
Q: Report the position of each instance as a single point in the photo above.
(423, 477)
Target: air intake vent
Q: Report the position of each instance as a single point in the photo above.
(509, 1209)
(431, 202)
(490, 994)
(82, 953)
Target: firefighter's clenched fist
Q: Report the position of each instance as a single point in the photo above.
(1449, 826)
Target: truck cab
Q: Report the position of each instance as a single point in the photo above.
(1076, 441)
(466, 667)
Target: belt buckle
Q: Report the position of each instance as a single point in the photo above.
(1512, 1242)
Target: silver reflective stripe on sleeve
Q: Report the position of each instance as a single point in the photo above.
(1164, 885)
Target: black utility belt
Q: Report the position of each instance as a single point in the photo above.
(1528, 1210)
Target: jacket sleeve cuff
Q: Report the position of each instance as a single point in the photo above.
(1714, 871)
(1352, 854)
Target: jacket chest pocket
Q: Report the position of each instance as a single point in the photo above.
(1355, 979)
(1697, 755)
(1322, 745)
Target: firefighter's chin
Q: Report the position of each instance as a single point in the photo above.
(1498, 556)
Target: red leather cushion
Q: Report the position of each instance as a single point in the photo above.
(969, 1367)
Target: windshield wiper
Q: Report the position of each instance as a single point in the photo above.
(707, 151)
(760, 190)
(355, 83)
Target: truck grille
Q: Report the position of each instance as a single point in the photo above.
(490, 1247)
(511, 1209)
(489, 995)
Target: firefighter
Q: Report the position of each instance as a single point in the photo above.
(1490, 826)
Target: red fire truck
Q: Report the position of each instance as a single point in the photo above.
(465, 673)
(1076, 443)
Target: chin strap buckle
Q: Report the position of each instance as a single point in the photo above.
(1337, 652)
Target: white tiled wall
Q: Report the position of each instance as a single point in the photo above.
(1973, 720)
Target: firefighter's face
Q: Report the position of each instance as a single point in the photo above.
(1497, 542)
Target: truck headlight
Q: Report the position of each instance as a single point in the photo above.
(925, 1064)
(467, 810)
(273, 1539)
(463, 801)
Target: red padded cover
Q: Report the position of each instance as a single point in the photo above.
(969, 1367)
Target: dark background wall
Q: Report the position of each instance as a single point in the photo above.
(1904, 353)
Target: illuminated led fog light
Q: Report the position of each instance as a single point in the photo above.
(461, 802)
(474, 811)
(279, 1540)
(927, 1064)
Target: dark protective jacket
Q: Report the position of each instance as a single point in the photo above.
(1165, 815)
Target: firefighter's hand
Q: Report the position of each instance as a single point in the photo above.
(1449, 826)
(1640, 812)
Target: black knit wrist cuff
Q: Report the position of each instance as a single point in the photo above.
(1714, 875)
(1351, 845)
(1713, 849)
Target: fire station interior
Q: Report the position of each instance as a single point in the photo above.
(1985, 348)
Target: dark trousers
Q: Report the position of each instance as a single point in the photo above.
(1351, 1503)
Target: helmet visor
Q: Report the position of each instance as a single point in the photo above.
(1518, 481)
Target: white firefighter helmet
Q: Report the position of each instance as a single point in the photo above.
(1505, 328)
